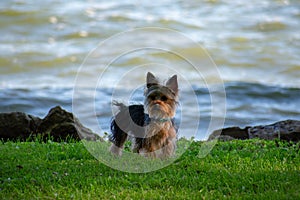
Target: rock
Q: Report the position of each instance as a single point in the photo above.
(17, 125)
(59, 124)
(288, 130)
(62, 125)
(230, 133)
(225, 138)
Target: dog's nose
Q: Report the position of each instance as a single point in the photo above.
(157, 102)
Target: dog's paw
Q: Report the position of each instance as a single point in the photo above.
(115, 150)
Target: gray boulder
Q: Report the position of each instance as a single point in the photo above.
(61, 125)
(58, 124)
(17, 125)
(230, 133)
(288, 130)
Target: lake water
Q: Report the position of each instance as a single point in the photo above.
(84, 54)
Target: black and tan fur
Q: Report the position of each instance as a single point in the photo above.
(150, 125)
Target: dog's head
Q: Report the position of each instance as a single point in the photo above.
(160, 100)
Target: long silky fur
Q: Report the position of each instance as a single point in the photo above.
(137, 115)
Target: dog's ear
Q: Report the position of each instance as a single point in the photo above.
(173, 84)
(151, 80)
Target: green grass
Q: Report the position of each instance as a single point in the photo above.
(253, 169)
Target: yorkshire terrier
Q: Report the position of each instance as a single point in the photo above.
(151, 126)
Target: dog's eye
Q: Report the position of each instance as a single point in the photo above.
(164, 98)
(152, 98)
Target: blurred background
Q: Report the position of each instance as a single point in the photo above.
(254, 44)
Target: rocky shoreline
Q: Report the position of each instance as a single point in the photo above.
(287, 130)
(61, 125)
